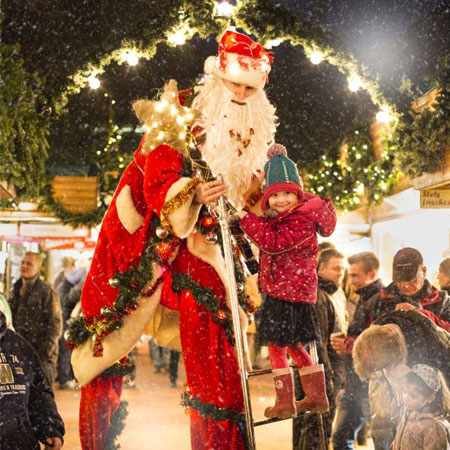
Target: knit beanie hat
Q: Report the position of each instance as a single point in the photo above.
(428, 376)
(280, 174)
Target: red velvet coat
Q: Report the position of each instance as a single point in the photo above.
(211, 368)
(288, 247)
(118, 249)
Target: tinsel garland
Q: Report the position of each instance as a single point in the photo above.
(205, 297)
(207, 410)
(116, 427)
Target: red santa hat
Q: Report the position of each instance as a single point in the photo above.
(240, 60)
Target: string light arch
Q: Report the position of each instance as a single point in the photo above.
(270, 23)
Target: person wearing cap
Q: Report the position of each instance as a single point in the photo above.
(444, 275)
(410, 289)
(159, 197)
(287, 240)
(426, 409)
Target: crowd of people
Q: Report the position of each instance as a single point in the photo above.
(383, 351)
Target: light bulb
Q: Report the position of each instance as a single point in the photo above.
(177, 38)
(94, 82)
(316, 57)
(224, 9)
(354, 83)
(383, 116)
(132, 58)
(271, 43)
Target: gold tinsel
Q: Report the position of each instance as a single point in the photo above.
(176, 202)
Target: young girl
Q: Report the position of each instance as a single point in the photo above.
(424, 421)
(287, 240)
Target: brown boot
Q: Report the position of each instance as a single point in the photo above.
(285, 402)
(313, 384)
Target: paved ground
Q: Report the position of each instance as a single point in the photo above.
(157, 421)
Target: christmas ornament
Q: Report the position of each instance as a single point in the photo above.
(162, 233)
(221, 315)
(163, 250)
(211, 238)
(114, 282)
(67, 335)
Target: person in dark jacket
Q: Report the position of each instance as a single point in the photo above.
(36, 313)
(305, 431)
(353, 410)
(409, 290)
(28, 412)
(69, 293)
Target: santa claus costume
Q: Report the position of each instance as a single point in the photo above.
(152, 257)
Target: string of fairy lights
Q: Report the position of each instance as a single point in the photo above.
(224, 9)
(348, 197)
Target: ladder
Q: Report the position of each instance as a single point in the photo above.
(244, 374)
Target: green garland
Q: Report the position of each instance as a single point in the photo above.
(213, 412)
(361, 176)
(117, 425)
(206, 298)
(23, 129)
(121, 370)
(129, 284)
(424, 140)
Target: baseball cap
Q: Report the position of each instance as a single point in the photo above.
(406, 264)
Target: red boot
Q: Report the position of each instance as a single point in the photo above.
(313, 384)
(285, 400)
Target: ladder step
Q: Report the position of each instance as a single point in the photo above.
(255, 373)
(267, 421)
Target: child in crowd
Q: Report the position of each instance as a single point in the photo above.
(287, 239)
(424, 420)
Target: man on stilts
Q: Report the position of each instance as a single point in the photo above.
(157, 248)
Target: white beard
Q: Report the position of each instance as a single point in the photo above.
(221, 151)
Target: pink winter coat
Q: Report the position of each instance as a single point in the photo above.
(288, 247)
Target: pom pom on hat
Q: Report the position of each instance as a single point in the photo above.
(276, 149)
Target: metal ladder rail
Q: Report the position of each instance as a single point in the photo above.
(244, 375)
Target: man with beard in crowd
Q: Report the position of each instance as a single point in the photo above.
(353, 409)
(157, 185)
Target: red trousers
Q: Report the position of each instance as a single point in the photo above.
(99, 401)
